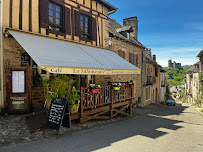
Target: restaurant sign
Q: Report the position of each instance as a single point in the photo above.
(83, 71)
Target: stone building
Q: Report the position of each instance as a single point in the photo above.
(123, 41)
(192, 82)
(163, 83)
(173, 65)
(151, 82)
(200, 56)
(50, 37)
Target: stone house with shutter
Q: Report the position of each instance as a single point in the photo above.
(43, 38)
(123, 41)
(192, 82)
(151, 79)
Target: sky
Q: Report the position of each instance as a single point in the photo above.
(173, 29)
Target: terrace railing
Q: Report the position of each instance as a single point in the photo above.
(106, 103)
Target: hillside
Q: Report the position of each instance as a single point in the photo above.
(176, 76)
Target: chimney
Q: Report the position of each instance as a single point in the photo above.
(154, 57)
(133, 21)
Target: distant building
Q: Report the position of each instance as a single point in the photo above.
(173, 65)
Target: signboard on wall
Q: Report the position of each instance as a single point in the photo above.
(25, 59)
(18, 81)
(82, 71)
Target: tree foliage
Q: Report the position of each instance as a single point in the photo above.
(176, 76)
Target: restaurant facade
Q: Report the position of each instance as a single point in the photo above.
(69, 37)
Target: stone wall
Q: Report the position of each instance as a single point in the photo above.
(12, 52)
(38, 97)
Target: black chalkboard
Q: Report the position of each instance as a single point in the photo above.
(59, 114)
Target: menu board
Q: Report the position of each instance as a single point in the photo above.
(25, 58)
(18, 81)
(56, 114)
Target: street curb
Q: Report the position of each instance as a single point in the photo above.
(201, 114)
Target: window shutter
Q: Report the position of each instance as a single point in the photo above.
(67, 21)
(44, 13)
(120, 53)
(130, 57)
(136, 60)
(94, 29)
(77, 23)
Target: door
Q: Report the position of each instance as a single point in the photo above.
(156, 96)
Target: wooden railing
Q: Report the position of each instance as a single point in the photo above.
(92, 100)
(94, 105)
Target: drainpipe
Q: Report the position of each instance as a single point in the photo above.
(142, 88)
(1, 52)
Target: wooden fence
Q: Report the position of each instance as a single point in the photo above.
(106, 104)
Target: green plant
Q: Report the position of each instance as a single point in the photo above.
(94, 86)
(163, 102)
(132, 82)
(116, 84)
(202, 110)
(46, 85)
(184, 99)
(60, 86)
(168, 94)
(74, 96)
(198, 103)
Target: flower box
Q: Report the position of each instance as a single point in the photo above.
(116, 88)
(94, 90)
(132, 86)
(74, 109)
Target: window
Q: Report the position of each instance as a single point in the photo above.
(133, 59)
(156, 72)
(84, 25)
(55, 17)
(147, 90)
(123, 54)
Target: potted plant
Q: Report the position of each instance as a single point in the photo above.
(73, 98)
(94, 88)
(132, 83)
(59, 86)
(116, 86)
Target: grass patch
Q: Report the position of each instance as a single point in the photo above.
(202, 110)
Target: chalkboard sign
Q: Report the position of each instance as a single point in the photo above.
(59, 114)
(25, 58)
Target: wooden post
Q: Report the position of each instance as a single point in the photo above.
(131, 102)
(81, 107)
(111, 106)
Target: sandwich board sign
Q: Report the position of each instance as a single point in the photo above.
(59, 114)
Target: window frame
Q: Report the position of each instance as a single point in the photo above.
(54, 25)
(87, 36)
(123, 54)
(25, 81)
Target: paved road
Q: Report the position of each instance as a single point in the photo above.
(158, 128)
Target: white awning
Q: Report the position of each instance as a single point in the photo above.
(58, 56)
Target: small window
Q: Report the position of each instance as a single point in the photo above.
(156, 72)
(133, 59)
(84, 26)
(123, 54)
(55, 17)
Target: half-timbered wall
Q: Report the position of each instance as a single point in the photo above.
(27, 15)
